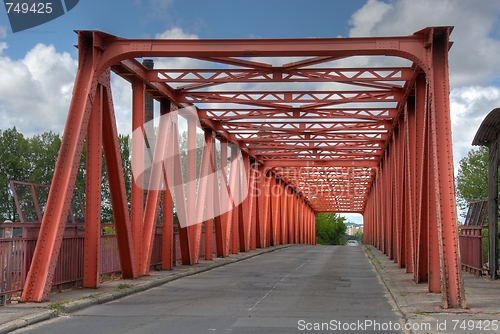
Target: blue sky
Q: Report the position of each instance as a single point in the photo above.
(38, 66)
(206, 19)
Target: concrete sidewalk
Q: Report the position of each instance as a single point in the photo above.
(420, 307)
(421, 310)
(15, 316)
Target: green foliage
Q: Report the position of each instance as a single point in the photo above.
(34, 159)
(14, 165)
(359, 235)
(472, 178)
(330, 228)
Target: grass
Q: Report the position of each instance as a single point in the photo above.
(420, 313)
(124, 286)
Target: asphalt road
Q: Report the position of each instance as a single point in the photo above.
(316, 289)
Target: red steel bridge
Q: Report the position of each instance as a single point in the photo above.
(311, 127)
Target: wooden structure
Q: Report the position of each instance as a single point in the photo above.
(488, 135)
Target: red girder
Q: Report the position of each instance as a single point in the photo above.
(279, 97)
(201, 78)
(313, 114)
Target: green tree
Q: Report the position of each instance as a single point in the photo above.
(359, 235)
(14, 165)
(34, 159)
(330, 228)
(43, 152)
(472, 178)
(106, 209)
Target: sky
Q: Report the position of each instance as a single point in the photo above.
(38, 66)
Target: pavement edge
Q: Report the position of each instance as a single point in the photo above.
(77, 305)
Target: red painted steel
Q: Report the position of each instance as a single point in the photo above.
(93, 194)
(453, 289)
(116, 181)
(471, 238)
(41, 273)
(375, 141)
(137, 192)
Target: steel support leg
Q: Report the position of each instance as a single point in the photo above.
(451, 276)
(39, 278)
(93, 194)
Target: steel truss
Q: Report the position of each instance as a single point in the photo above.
(311, 136)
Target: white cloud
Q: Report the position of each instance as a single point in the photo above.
(3, 46)
(364, 20)
(162, 4)
(122, 101)
(3, 31)
(175, 33)
(473, 59)
(35, 91)
(474, 55)
(469, 106)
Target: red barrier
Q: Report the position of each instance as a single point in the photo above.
(16, 255)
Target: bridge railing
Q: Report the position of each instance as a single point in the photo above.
(17, 246)
(471, 238)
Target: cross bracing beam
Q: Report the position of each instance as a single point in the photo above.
(229, 114)
(313, 98)
(332, 139)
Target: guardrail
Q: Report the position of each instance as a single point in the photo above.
(471, 238)
(16, 254)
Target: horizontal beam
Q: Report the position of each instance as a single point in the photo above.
(317, 163)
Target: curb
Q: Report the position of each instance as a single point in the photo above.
(78, 305)
(371, 257)
(28, 320)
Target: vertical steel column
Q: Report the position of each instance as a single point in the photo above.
(275, 215)
(291, 218)
(221, 227)
(251, 216)
(422, 186)
(263, 206)
(193, 210)
(396, 208)
(409, 198)
(167, 224)
(173, 151)
(154, 186)
(296, 218)
(451, 276)
(302, 221)
(311, 224)
(266, 224)
(244, 221)
(434, 249)
(411, 126)
(93, 194)
(285, 231)
(39, 278)
(234, 214)
(116, 179)
(390, 208)
(167, 248)
(137, 191)
(211, 192)
(404, 253)
(204, 185)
